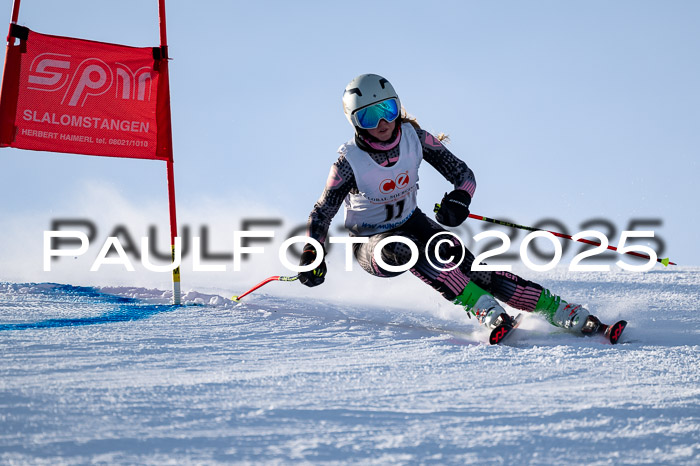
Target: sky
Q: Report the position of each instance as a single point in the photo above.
(585, 113)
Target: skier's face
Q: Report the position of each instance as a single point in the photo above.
(383, 131)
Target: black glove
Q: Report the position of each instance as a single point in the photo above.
(454, 208)
(313, 277)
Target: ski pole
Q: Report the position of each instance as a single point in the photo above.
(664, 261)
(275, 278)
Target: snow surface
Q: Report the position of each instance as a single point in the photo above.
(118, 376)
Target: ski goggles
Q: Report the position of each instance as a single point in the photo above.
(369, 117)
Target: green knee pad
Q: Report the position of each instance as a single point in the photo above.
(548, 304)
(469, 296)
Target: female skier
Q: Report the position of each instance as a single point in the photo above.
(376, 177)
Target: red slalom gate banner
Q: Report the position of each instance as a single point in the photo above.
(61, 94)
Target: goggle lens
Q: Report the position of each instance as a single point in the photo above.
(369, 117)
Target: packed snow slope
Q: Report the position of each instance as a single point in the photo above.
(118, 376)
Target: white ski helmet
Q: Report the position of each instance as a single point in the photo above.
(365, 90)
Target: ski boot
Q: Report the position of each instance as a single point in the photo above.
(576, 318)
(484, 306)
(573, 317)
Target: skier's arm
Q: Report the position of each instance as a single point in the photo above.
(340, 181)
(454, 207)
(446, 163)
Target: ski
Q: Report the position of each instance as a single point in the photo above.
(502, 331)
(613, 332)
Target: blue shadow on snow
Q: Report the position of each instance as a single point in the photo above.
(127, 309)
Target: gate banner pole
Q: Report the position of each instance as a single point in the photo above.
(169, 141)
(15, 12)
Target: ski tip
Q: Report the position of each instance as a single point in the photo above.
(499, 333)
(235, 299)
(614, 332)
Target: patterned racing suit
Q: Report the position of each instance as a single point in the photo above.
(507, 287)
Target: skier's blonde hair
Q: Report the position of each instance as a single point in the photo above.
(408, 118)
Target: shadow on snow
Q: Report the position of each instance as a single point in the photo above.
(125, 308)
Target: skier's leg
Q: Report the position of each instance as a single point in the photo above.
(483, 305)
(506, 287)
(420, 230)
(570, 316)
(395, 254)
(449, 279)
(453, 284)
(530, 296)
(448, 283)
(474, 290)
(510, 288)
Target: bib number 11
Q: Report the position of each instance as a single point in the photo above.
(390, 208)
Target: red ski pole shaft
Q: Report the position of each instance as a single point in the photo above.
(275, 278)
(664, 261)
